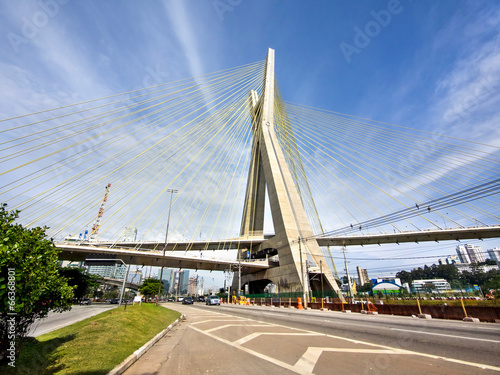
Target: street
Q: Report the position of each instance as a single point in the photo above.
(58, 320)
(261, 340)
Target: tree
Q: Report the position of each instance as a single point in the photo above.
(82, 282)
(30, 284)
(149, 287)
(405, 277)
(366, 287)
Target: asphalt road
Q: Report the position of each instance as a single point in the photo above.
(58, 320)
(476, 342)
(264, 340)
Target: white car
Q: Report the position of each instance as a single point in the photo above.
(212, 300)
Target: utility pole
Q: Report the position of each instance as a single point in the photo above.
(171, 191)
(303, 277)
(348, 277)
(321, 271)
(229, 284)
(239, 275)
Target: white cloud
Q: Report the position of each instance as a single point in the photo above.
(184, 30)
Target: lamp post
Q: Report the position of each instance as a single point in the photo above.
(171, 191)
(303, 276)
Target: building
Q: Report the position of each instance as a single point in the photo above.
(362, 276)
(470, 267)
(388, 279)
(494, 254)
(386, 285)
(462, 254)
(168, 279)
(115, 271)
(192, 286)
(431, 285)
(470, 254)
(184, 281)
(135, 276)
(178, 280)
(450, 259)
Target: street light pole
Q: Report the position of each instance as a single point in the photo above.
(171, 191)
(303, 277)
(348, 277)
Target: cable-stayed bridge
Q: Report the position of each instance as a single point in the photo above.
(243, 162)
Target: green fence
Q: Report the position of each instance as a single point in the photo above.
(315, 294)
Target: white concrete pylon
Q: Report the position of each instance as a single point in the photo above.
(269, 168)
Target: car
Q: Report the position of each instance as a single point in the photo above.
(180, 299)
(213, 300)
(86, 301)
(187, 301)
(201, 299)
(115, 301)
(170, 299)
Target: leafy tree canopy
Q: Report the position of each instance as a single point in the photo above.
(82, 282)
(30, 283)
(450, 273)
(149, 287)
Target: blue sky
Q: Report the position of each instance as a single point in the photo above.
(430, 65)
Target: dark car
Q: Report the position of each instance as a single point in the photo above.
(187, 301)
(201, 299)
(115, 301)
(170, 299)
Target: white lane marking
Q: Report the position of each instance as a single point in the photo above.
(442, 334)
(221, 320)
(408, 352)
(309, 359)
(254, 335)
(236, 325)
(277, 362)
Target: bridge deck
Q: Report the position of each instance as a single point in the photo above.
(416, 236)
(150, 253)
(154, 258)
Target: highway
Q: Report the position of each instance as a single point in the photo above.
(58, 320)
(478, 342)
(262, 340)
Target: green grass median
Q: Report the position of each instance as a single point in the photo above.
(94, 345)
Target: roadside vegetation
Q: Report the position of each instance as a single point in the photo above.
(95, 345)
(30, 282)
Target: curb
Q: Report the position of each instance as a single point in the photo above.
(131, 359)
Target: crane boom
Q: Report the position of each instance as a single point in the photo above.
(97, 222)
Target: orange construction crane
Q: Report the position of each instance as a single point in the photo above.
(97, 222)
